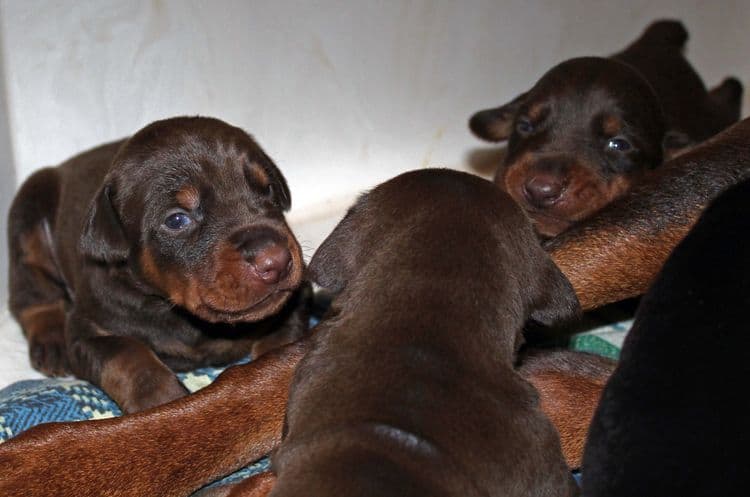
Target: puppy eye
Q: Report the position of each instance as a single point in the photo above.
(524, 126)
(178, 221)
(619, 144)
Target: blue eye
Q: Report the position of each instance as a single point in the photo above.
(177, 221)
(619, 144)
(524, 126)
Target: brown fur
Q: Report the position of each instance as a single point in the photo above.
(133, 296)
(188, 197)
(240, 415)
(36, 321)
(409, 389)
(585, 196)
(616, 253)
(593, 127)
(152, 453)
(569, 385)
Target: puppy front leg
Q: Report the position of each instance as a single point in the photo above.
(44, 327)
(169, 451)
(124, 367)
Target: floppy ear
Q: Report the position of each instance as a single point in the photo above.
(103, 238)
(727, 96)
(281, 194)
(556, 300)
(495, 125)
(663, 33)
(333, 263)
(675, 143)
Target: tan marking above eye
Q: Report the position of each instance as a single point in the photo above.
(188, 197)
(256, 174)
(537, 112)
(611, 126)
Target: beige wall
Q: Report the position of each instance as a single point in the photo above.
(343, 94)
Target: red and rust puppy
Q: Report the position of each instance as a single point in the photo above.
(409, 387)
(165, 250)
(591, 127)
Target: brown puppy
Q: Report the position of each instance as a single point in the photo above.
(616, 253)
(238, 418)
(165, 250)
(593, 127)
(409, 388)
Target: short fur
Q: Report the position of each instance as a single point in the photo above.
(240, 415)
(673, 418)
(616, 253)
(591, 128)
(104, 289)
(409, 388)
(569, 385)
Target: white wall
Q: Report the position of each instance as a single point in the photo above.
(7, 188)
(342, 94)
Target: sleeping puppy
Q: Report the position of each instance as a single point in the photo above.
(409, 387)
(166, 251)
(673, 417)
(592, 127)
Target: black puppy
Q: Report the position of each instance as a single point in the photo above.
(153, 253)
(672, 418)
(591, 127)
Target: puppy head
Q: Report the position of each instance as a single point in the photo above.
(195, 208)
(446, 226)
(577, 140)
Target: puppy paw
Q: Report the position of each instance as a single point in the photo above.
(48, 353)
(151, 390)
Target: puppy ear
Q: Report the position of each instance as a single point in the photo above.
(333, 263)
(556, 300)
(664, 33)
(675, 143)
(727, 96)
(103, 237)
(281, 194)
(495, 125)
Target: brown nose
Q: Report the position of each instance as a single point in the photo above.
(271, 262)
(266, 250)
(543, 190)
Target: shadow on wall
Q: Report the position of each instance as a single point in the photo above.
(7, 183)
(485, 161)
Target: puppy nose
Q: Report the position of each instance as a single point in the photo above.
(543, 190)
(266, 250)
(271, 262)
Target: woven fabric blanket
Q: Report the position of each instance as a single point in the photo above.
(28, 403)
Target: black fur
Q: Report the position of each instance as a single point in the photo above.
(672, 418)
